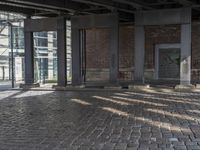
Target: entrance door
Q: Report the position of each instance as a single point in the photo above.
(45, 62)
(168, 61)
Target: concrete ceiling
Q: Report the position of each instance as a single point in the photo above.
(125, 8)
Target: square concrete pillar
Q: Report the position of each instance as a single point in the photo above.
(61, 51)
(114, 61)
(185, 64)
(139, 55)
(29, 58)
(76, 57)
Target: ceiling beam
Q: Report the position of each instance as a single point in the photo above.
(15, 9)
(185, 2)
(22, 2)
(28, 7)
(134, 4)
(162, 3)
(48, 7)
(106, 5)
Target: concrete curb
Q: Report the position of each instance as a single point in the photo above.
(150, 89)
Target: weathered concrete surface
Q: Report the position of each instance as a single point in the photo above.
(123, 120)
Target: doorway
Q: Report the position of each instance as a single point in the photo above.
(45, 53)
(167, 62)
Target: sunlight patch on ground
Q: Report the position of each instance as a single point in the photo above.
(158, 124)
(194, 111)
(111, 100)
(6, 94)
(185, 99)
(180, 116)
(138, 101)
(174, 100)
(80, 102)
(138, 94)
(121, 94)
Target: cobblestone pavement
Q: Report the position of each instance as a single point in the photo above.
(123, 120)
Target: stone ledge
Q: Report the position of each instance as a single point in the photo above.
(184, 87)
(197, 86)
(69, 87)
(113, 87)
(139, 86)
(29, 86)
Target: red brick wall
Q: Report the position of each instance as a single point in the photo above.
(98, 56)
(126, 52)
(158, 35)
(97, 48)
(196, 51)
(97, 52)
(126, 47)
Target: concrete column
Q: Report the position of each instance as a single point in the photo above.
(76, 56)
(114, 63)
(185, 66)
(83, 54)
(3, 72)
(61, 51)
(50, 55)
(139, 54)
(29, 58)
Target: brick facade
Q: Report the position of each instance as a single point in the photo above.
(196, 51)
(126, 52)
(97, 53)
(97, 48)
(98, 56)
(158, 35)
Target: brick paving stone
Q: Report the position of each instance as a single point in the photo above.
(180, 148)
(120, 146)
(122, 120)
(108, 146)
(131, 148)
(193, 147)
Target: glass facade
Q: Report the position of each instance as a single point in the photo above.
(45, 51)
(45, 54)
(5, 47)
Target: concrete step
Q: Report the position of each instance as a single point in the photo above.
(138, 86)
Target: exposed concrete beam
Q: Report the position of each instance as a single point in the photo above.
(185, 2)
(41, 5)
(94, 3)
(189, 4)
(37, 25)
(44, 7)
(106, 5)
(16, 9)
(163, 17)
(137, 5)
(162, 3)
(29, 7)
